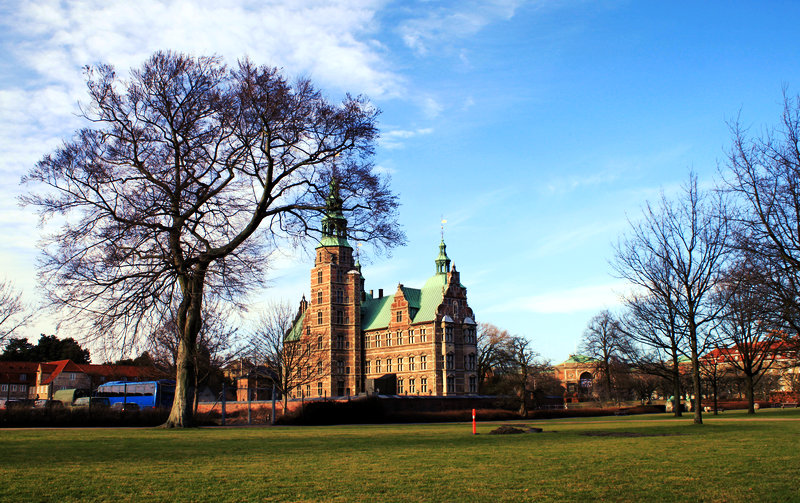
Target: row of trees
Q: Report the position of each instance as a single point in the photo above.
(714, 269)
(507, 365)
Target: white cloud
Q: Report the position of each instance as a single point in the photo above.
(393, 139)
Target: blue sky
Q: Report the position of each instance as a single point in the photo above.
(537, 129)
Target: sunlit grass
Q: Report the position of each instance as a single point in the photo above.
(730, 458)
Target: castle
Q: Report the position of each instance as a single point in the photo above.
(418, 341)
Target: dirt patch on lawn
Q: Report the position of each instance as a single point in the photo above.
(626, 434)
(512, 429)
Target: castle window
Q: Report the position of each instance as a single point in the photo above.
(378, 341)
(451, 384)
(308, 330)
(319, 389)
(378, 366)
(471, 362)
(423, 335)
(448, 333)
(423, 385)
(399, 364)
(319, 297)
(388, 365)
(423, 362)
(339, 276)
(469, 337)
(411, 386)
(334, 258)
(319, 276)
(340, 342)
(473, 384)
(399, 337)
(347, 370)
(450, 361)
(411, 336)
(319, 342)
(319, 368)
(319, 317)
(399, 316)
(339, 366)
(339, 295)
(399, 386)
(388, 339)
(308, 390)
(411, 363)
(367, 369)
(366, 341)
(339, 317)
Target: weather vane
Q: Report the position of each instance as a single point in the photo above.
(444, 221)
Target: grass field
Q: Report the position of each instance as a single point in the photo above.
(635, 458)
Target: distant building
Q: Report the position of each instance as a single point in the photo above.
(576, 374)
(416, 341)
(16, 379)
(48, 377)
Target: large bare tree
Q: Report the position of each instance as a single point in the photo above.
(187, 175)
(747, 340)
(677, 251)
(14, 313)
(651, 322)
(764, 172)
(276, 344)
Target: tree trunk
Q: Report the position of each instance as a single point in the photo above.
(748, 380)
(189, 324)
(676, 384)
(697, 402)
(714, 385)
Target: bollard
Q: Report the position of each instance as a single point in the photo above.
(474, 430)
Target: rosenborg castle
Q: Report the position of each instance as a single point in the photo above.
(414, 341)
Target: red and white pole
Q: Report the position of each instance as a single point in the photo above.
(474, 431)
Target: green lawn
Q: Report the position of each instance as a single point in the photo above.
(730, 458)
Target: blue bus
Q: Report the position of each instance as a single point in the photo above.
(146, 394)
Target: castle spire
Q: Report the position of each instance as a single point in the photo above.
(442, 261)
(334, 225)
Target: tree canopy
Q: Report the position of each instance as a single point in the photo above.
(49, 348)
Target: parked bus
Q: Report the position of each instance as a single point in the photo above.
(147, 394)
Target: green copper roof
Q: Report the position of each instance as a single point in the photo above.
(422, 302)
(580, 359)
(333, 241)
(293, 335)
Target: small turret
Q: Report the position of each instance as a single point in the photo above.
(442, 261)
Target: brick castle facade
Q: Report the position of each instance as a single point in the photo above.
(416, 341)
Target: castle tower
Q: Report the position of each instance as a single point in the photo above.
(333, 323)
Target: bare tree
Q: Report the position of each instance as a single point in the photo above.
(276, 343)
(746, 340)
(493, 350)
(608, 346)
(14, 313)
(677, 252)
(765, 173)
(651, 322)
(187, 175)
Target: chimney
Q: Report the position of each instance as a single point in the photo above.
(380, 293)
(371, 294)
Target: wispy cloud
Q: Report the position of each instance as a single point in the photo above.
(394, 138)
(445, 24)
(572, 300)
